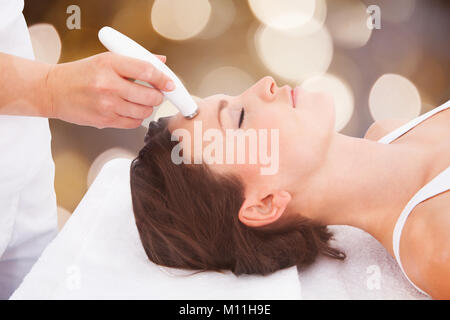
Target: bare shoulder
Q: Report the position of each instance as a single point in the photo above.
(380, 128)
(425, 246)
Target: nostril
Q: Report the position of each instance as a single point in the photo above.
(272, 88)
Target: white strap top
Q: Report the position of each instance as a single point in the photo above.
(439, 184)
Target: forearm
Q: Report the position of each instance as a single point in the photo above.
(92, 91)
(23, 89)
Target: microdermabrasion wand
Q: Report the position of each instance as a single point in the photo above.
(118, 43)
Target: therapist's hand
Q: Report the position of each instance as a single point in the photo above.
(95, 91)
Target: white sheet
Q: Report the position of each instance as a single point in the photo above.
(98, 255)
(368, 272)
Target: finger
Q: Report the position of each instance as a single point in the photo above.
(132, 110)
(140, 94)
(141, 70)
(128, 123)
(161, 57)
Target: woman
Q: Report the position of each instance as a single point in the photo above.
(229, 216)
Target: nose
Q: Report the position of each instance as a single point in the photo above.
(266, 88)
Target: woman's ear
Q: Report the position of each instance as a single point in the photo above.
(257, 211)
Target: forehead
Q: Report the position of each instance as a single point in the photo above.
(207, 109)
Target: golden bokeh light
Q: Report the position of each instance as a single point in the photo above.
(347, 68)
(341, 93)
(133, 21)
(283, 14)
(165, 109)
(347, 22)
(317, 21)
(292, 55)
(46, 42)
(222, 16)
(227, 80)
(180, 19)
(394, 96)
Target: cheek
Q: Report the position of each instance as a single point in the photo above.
(304, 138)
(327, 110)
(319, 112)
(272, 116)
(247, 173)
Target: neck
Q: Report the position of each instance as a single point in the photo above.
(363, 183)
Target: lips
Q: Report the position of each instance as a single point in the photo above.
(293, 97)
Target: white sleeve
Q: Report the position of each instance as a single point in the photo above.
(9, 10)
(14, 35)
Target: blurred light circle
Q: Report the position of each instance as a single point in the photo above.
(292, 55)
(346, 67)
(339, 90)
(103, 158)
(180, 19)
(46, 42)
(227, 80)
(222, 16)
(165, 109)
(63, 216)
(133, 20)
(317, 21)
(283, 14)
(347, 22)
(394, 96)
(396, 11)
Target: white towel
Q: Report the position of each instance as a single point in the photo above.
(98, 255)
(368, 272)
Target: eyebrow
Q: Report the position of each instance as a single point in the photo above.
(222, 104)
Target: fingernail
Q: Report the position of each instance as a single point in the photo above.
(170, 86)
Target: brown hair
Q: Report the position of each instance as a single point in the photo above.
(187, 217)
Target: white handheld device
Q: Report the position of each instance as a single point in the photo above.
(118, 43)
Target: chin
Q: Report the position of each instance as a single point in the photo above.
(321, 110)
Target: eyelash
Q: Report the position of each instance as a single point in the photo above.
(241, 117)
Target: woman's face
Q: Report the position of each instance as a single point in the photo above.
(304, 122)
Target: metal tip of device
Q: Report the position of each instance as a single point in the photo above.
(192, 115)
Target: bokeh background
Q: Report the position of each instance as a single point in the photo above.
(224, 46)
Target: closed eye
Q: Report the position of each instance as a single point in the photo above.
(241, 118)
